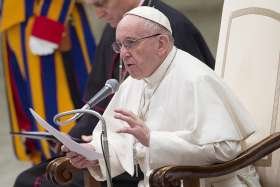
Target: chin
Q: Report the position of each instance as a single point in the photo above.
(136, 77)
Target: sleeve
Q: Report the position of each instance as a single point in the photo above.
(116, 167)
(210, 132)
(12, 12)
(99, 173)
(181, 152)
(49, 25)
(120, 145)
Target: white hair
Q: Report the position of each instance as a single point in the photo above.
(154, 28)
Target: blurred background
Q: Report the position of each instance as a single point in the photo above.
(205, 14)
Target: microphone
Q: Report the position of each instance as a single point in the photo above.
(110, 87)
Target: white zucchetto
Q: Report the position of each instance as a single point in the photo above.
(151, 14)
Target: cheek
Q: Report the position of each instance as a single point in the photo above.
(143, 61)
(142, 65)
(147, 64)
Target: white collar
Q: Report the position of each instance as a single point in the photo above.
(160, 72)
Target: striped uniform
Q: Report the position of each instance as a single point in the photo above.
(49, 84)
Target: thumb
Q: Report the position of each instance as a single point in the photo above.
(87, 138)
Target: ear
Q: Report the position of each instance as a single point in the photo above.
(163, 44)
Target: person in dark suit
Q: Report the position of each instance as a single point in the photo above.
(186, 36)
(107, 65)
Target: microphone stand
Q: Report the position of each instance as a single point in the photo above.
(104, 139)
(77, 115)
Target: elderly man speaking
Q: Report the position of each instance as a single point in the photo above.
(172, 109)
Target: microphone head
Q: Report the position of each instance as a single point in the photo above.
(113, 84)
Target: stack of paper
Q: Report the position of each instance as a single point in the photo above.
(90, 154)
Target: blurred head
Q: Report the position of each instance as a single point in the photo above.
(143, 44)
(112, 11)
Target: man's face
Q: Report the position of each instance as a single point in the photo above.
(141, 59)
(111, 11)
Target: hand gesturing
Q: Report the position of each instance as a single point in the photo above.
(137, 127)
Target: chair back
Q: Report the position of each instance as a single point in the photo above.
(248, 60)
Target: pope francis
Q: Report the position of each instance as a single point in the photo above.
(172, 109)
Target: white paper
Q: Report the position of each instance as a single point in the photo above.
(90, 154)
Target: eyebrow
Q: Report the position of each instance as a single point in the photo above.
(130, 38)
(127, 38)
(99, 3)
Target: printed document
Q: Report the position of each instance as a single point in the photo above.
(90, 154)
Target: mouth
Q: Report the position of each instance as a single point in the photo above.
(129, 65)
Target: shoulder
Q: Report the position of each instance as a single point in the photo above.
(190, 68)
(108, 33)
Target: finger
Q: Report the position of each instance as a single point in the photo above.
(94, 163)
(126, 130)
(79, 165)
(64, 148)
(88, 163)
(125, 113)
(87, 138)
(85, 163)
(131, 122)
(57, 147)
(77, 159)
(82, 164)
(71, 154)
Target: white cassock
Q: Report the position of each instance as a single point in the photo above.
(193, 118)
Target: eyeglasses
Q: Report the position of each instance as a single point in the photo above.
(99, 3)
(129, 43)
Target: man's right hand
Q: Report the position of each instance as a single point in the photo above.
(78, 160)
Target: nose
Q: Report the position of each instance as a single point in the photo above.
(100, 12)
(124, 52)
